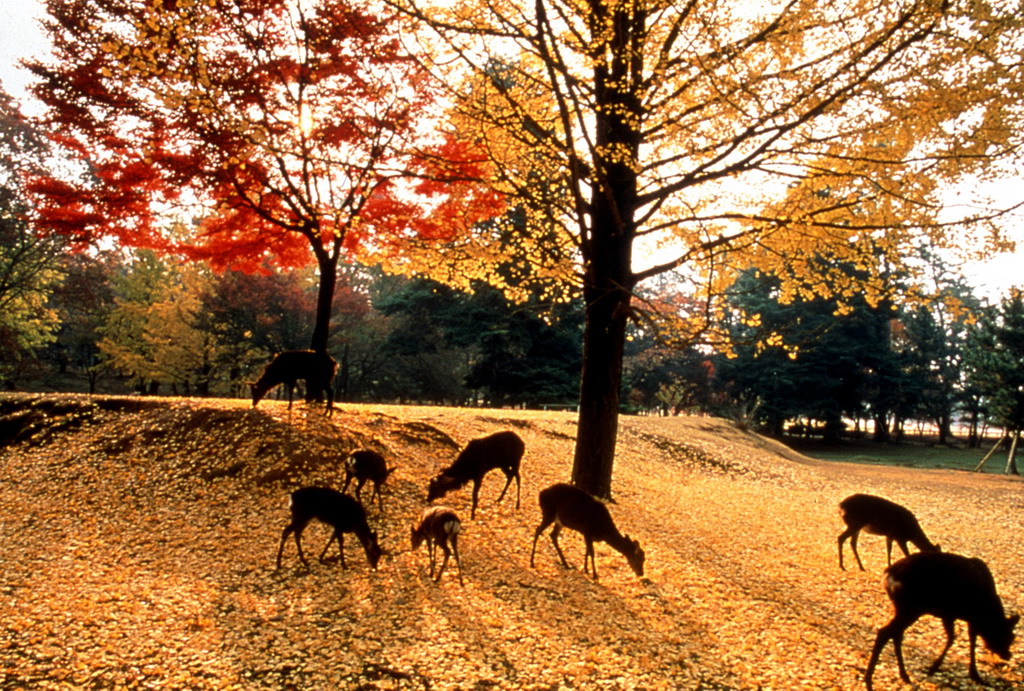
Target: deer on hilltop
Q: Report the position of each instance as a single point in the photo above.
(950, 587)
(367, 466)
(439, 527)
(340, 511)
(503, 450)
(880, 516)
(570, 507)
(316, 368)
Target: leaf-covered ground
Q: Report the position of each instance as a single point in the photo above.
(138, 536)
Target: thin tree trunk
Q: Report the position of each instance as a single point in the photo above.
(881, 433)
(1011, 459)
(981, 464)
(600, 384)
(324, 302)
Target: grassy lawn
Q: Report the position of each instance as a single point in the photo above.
(908, 454)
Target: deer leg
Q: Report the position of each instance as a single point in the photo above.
(554, 538)
(341, 547)
(880, 640)
(853, 546)
(432, 551)
(590, 554)
(298, 544)
(476, 497)
(948, 625)
(329, 541)
(330, 398)
(517, 489)
(892, 631)
(284, 537)
(458, 562)
(897, 641)
(972, 635)
(545, 522)
(508, 481)
(444, 562)
(843, 536)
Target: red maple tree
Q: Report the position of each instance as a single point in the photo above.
(281, 129)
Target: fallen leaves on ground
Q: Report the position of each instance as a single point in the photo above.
(139, 536)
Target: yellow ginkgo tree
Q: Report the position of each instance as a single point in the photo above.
(648, 136)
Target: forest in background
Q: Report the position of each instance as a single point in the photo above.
(135, 321)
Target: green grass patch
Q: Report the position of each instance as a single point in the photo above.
(910, 455)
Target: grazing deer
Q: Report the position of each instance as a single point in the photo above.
(316, 367)
(570, 507)
(342, 512)
(880, 516)
(950, 587)
(440, 527)
(366, 465)
(502, 450)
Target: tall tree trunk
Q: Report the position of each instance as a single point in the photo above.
(608, 246)
(328, 267)
(600, 383)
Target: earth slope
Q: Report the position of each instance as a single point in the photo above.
(137, 544)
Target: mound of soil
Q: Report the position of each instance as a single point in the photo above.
(139, 536)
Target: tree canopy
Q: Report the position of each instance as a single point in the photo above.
(280, 128)
(711, 136)
(30, 267)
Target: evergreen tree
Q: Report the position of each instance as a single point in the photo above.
(997, 366)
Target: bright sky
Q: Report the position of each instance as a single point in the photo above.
(22, 37)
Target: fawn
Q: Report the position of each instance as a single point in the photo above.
(317, 368)
(950, 587)
(342, 512)
(880, 516)
(502, 450)
(571, 507)
(439, 527)
(364, 465)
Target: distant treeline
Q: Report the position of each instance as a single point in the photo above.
(146, 323)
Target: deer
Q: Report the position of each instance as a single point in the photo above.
(366, 465)
(316, 367)
(950, 587)
(502, 450)
(439, 527)
(340, 511)
(880, 516)
(568, 506)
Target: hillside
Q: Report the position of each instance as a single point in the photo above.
(138, 542)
